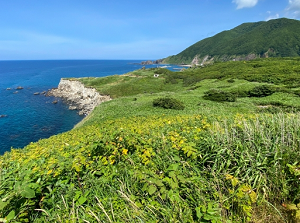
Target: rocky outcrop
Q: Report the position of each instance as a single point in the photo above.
(195, 61)
(149, 62)
(78, 96)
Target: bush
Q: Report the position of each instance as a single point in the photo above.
(168, 103)
(191, 80)
(172, 78)
(219, 95)
(277, 107)
(162, 71)
(261, 91)
(240, 93)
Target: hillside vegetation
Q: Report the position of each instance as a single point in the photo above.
(212, 144)
(274, 38)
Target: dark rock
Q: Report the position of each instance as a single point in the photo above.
(2, 116)
(158, 61)
(19, 88)
(149, 62)
(54, 102)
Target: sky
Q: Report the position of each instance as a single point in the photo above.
(119, 29)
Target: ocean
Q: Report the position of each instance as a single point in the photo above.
(27, 117)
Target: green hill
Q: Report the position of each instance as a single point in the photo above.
(229, 154)
(274, 38)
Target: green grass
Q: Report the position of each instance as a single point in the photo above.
(134, 83)
(131, 162)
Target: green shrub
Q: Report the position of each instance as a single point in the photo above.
(296, 92)
(168, 103)
(277, 107)
(240, 93)
(256, 65)
(191, 80)
(261, 91)
(172, 78)
(194, 88)
(162, 71)
(219, 95)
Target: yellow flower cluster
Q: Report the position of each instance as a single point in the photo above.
(90, 147)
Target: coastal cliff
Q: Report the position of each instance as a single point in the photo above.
(78, 96)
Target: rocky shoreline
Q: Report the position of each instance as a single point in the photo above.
(150, 62)
(77, 96)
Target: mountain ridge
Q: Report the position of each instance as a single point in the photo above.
(273, 38)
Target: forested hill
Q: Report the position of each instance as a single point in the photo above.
(274, 38)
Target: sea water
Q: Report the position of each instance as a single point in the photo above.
(27, 117)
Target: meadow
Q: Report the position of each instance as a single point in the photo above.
(225, 148)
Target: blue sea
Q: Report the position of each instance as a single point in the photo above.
(26, 117)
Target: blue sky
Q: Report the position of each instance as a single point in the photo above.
(115, 29)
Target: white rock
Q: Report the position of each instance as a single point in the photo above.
(80, 97)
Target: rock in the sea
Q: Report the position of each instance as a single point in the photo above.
(19, 88)
(2, 116)
(16, 92)
(8, 88)
(78, 96)
(36, 93)
(72, 107)
(54, 102)
(149, 62)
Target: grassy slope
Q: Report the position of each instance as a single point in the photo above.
(130, 162)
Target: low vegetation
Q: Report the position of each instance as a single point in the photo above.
(168, 103)
(261, 91)
(130, 161)
(219, 95)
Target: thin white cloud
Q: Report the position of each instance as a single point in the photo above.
(294, 8)
(245, 3)
(26, 36)
(294, 5)
(270, 16)
(45, 38)
(35, 45)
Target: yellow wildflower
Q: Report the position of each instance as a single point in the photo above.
(124, 151)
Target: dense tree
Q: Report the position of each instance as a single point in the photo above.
(274, 38)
